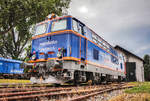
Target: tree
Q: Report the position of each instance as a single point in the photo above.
(16, 19)
(147, 67)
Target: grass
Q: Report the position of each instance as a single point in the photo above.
(132, 97)
(139, 93)
(141, 88)
(13, 81)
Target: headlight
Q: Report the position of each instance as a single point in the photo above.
(60, 52)
(33, 57)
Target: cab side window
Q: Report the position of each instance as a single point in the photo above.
(78, 27)
(75, 25)
(81, 29)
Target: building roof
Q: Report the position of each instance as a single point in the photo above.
(128, 52)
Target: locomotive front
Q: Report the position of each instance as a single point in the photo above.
(49, 47)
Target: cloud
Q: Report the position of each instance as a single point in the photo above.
(123, 22)
(83, 9)
(143, 48)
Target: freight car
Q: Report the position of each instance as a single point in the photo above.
(10, 68)
(65, 50)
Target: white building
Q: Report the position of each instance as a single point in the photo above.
(134, 65)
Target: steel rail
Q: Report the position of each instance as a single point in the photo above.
(48, 94)
(97, 93)
(53, 92)
(33, 92)
(22, 89)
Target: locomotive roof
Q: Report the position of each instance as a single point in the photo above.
(57, 18)
(10, 60)
(94, 33)
(65, 16)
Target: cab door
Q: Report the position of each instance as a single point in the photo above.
(83, 48)
(79, 28)
(82, 42)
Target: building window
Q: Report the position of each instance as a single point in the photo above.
(95, 54)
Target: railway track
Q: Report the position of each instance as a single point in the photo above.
(58, 93)
(20, 85)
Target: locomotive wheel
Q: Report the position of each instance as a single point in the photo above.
(119, 79)
(76, 77)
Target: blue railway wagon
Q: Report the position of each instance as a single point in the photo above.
(9, 67)
(66, 49)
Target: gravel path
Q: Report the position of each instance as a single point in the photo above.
(106, 96)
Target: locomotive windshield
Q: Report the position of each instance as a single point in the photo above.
(59, 25)
(40, 29)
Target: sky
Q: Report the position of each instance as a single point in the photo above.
(119, 22)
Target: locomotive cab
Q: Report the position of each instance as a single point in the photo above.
(46, 41)
(50, 46)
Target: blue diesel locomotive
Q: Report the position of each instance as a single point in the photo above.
(65, 50)
(10, 68)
